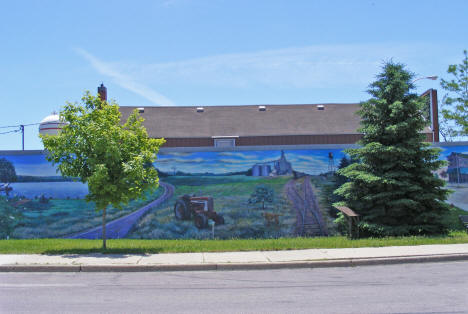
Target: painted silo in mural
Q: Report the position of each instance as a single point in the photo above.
(266, 170)
(256, 171)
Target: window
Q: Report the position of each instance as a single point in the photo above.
(224, 142)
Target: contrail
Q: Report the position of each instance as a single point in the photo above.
(125, 81)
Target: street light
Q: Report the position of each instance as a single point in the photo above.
(434, 77)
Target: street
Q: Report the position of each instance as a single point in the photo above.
(405, 288)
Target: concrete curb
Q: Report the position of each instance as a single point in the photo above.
(348, 262)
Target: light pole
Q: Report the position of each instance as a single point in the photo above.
(434, 77)
(22, 133)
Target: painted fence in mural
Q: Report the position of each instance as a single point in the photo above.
(259, 193)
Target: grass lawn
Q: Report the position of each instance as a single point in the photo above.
(134, 246)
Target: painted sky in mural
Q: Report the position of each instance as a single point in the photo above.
(310, 161)
(32, 165)
(307, 161)
(447, 150)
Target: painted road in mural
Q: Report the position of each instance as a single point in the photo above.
(120, 227)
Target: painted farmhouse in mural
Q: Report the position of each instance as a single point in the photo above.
(458, 167)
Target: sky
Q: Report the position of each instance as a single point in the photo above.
(213, 52)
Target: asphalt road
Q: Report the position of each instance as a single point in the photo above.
(410, 288)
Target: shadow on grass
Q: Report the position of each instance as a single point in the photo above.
(120, 251)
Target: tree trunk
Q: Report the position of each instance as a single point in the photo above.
(104, 228)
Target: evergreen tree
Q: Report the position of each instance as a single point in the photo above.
(392, 186)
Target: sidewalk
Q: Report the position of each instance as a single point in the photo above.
(235, 260)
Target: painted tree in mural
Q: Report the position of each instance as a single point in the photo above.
(7, 171)
(109, 156)
(392, 186)
(10, 217)
(337, 180)
(455, 102)
(261, 195)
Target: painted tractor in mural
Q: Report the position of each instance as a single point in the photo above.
(200, 208)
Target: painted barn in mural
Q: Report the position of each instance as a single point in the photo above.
(240, 172)
(458, 168)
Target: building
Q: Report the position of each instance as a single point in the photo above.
(259, 125)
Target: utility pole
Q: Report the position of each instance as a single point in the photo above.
(22, 134)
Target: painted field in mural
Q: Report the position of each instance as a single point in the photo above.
(235, 194)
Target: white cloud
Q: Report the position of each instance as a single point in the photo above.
(336, 67)
(123, 80)
(321, 66)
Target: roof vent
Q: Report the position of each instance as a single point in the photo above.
(320, 107)
(200, 109)
(261, 108)
(141, 110)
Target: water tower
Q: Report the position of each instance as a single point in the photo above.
(51, 125)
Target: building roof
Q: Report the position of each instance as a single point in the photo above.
(275, 120)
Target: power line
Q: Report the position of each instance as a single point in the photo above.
(17, 126)
(13, 131)
(20, 129)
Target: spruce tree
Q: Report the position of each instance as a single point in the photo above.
(392, 186)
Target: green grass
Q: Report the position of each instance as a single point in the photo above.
(133, 246)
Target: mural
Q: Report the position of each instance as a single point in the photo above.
(230, 194)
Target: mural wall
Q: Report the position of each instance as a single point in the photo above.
(228, 194)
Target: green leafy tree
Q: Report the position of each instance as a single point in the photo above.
(446, 126)
(109, 156)
(7, 171)
(455, 102)
(262, 194)
(392, 186)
